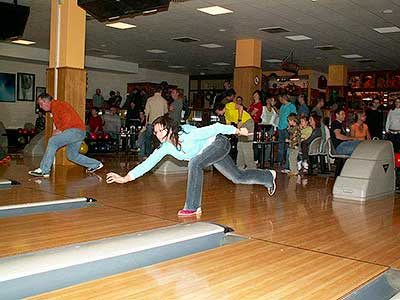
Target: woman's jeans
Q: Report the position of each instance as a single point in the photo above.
(347, 147)
(72, 138)
(217, 154)
(145, 142)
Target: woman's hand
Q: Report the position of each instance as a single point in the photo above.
(113, 177)
(243, 131)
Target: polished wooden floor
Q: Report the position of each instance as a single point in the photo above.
(303, 245)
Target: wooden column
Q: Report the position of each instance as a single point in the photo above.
(337, 80)
(247, 74)
(68, 26)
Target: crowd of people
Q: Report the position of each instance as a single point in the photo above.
(293, 125)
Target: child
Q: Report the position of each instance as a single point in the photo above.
(294, 143)
(306, 131)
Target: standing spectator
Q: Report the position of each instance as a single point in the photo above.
(294, 144)
(359, 129)
(175, 108)
(256, 107)
(112, 122)
(285, 110)
(156, 106)
(318, 108)
(98, 99)
(343, 144)
(133, 115)
(111, 100)
(118, 100)
(375, 119)
(393, 125)
(69, 131)
(303, 109)
(95, 121)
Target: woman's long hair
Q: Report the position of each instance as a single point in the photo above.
(172, 127)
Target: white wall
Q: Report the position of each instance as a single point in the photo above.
(16, 114)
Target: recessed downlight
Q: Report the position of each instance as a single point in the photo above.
(156, 51)
(176, 67)
(211, 46)
(387, 29)
(273, 60)
(23, 42)
(221, 64)
(351, 56)
(298, 37)
(121, 25)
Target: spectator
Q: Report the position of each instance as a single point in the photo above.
(256, 108)
(318, 108)
(315, 122)
(393, 125)
(175, 108)
(112, 122)
(359, 129)
(303, 109)
(98, 99)
(343, 144)
(40, 123)
(294, 144)
(285, 110)
(374, 119)
(95, 121)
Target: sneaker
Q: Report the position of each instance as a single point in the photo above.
(39, 173)
(271, 190)
(285, 171)
(189, 212)
(91, 170)
(299, 165)
(305, 165)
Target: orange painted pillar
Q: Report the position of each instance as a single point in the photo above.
(67, 55)
(247, 74)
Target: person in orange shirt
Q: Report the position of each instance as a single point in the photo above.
(69, 130)
(359, 129)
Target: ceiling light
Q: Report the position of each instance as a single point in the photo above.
(298, 37)
(120, 25)
(110, 56)
(215, 10)
(23, 42)
(176, 67)
(351, 56)
(202, 73)
(387, 29)
(156, 51)
(211, 46)
(221, 64)
(222, 29)
(387, 11)
(273, 60)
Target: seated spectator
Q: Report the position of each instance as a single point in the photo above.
(95, 121)
(343, 144)
(112, 122)
(359, 129)
(315, 122)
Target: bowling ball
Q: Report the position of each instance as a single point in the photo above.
(25, 131)
(19, 130)
(106, 136)
(32, 131)
(397, 160)
(93, 136)
(84, 148)
(100, 136)
(21, 140)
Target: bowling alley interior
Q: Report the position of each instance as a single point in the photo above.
(200, 149)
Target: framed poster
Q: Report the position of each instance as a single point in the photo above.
(7, 87)
(39, 90)
(25, 87)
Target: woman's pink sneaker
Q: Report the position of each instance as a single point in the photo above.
(189, 212)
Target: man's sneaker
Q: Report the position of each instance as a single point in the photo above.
(189, 212)
(271, 190)
(305, 165)
(299, 165)
(91, 170)
(39, 173)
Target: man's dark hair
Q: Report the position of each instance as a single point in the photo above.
(219, 106)
(45, 96)
(338, 110)
(230, 93)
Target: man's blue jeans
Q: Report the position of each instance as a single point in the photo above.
(72, 138)
(283, 147)
(217, 154)
(347, 147)
(145, 141)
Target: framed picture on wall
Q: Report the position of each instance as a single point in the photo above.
(39, 90)
(7, 87)
(25, 87)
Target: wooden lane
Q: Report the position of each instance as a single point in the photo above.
(246, 270)
(19, 195)
(43, 231)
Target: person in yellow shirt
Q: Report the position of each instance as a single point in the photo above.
(235, 114)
